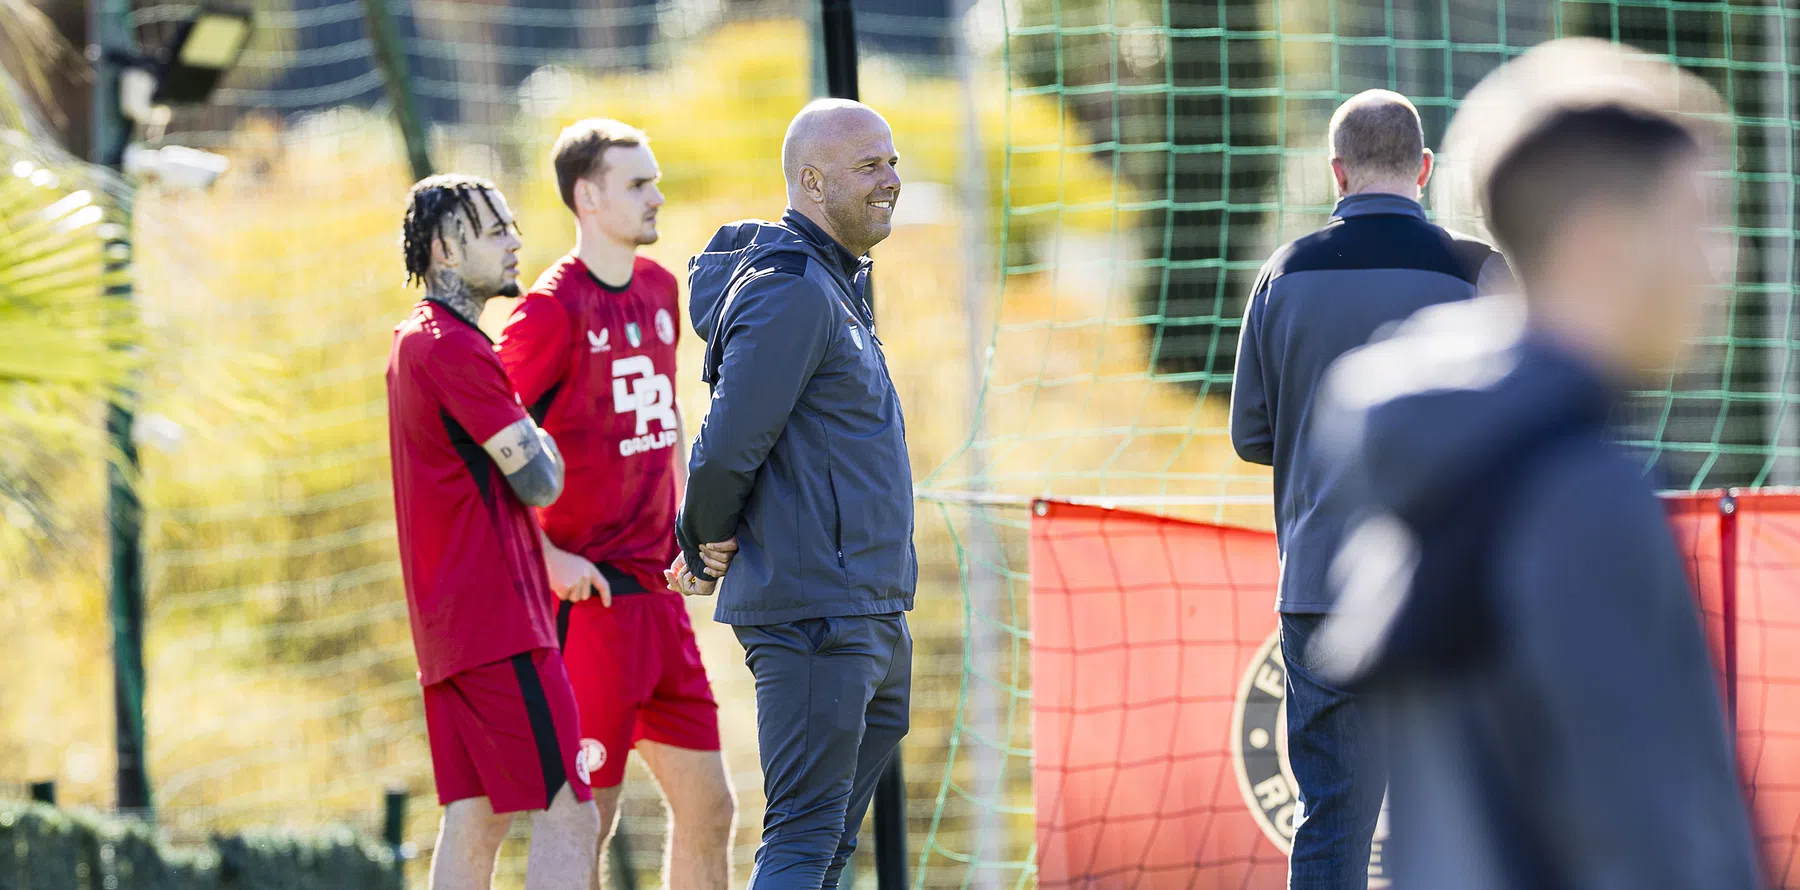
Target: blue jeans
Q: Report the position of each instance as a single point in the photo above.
(1334, 749)
(832, 703)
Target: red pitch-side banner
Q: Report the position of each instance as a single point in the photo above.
(1157, 690)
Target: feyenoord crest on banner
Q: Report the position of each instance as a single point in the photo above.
(1259, 755)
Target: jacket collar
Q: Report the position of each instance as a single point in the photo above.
(846, 263)
(1375, 204)
(1589, 388)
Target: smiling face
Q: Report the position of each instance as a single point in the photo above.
(853, 180)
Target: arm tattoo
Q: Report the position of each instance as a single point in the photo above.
(449, 288)
(527, 456)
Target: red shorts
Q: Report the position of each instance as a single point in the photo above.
(506, 731)
(637, 675)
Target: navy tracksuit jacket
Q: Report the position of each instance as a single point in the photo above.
(1378, 261)
(803, 459)
(1515, 607)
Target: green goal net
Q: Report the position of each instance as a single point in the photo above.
(1192, 146)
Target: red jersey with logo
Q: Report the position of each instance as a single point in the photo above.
(596, 367)
(476, 587)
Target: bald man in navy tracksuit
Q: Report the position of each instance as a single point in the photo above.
(1376, 262)
(802, 464)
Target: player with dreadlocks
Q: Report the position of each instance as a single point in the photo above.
(468, 460)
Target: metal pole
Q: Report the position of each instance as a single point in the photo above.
(1778, 268)
(890, 827)
(1728, 602)
(837, 29)
(393, 819)
(987, 724)
(111, 29)
(390, 56)
(837, 21)
(815, 38)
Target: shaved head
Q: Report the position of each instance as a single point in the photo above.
(838, 159)
(1376, 138)
(819, 129)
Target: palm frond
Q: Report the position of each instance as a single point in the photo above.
(68, 343)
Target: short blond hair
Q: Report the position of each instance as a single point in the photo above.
(580, 151)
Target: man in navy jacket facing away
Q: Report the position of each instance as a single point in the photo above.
(1376, 262)
(1511, 593)
(801, 473)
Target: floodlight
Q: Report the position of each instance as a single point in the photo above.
(203, 49)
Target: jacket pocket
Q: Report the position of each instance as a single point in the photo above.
(836, 521)
(820, 633)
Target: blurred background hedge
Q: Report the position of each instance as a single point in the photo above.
(44, 848)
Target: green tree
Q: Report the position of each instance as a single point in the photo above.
(1178, 99)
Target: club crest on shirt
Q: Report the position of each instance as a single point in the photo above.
(665, 326)
(1259, 756)
(633, 334)
(856, 336)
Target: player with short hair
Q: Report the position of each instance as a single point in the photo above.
(466, 461)
(1378, 260)
(591, 351)
(1511, 593)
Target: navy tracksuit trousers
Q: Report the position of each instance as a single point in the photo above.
(832, 703)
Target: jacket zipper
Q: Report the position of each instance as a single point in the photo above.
(888, 378)
(837, 513)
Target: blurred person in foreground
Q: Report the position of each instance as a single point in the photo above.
(591, 352)
(467, 459)
(802, 461)
(1376, 262)
(1512, 595)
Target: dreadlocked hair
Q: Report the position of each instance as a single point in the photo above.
(432, 200)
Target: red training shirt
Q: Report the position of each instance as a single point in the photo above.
(476, 588)
(596, 367)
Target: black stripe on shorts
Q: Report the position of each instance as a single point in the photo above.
(562, 624)
(543, 727)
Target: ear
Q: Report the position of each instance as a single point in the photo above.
(1426, 162)
(587, 194)
(1340, 176)
(812, 182)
